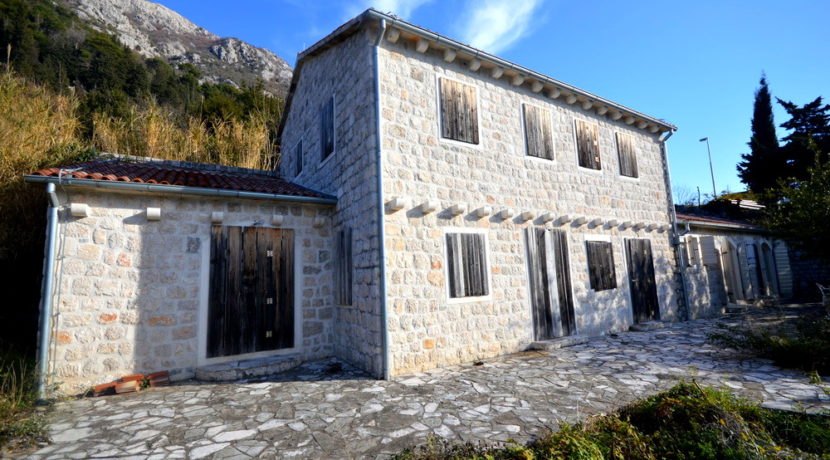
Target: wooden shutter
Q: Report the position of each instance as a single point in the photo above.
(298, 158)
(601, 265)
(587, 145)
(782, 263)
(327, 128)
(343, 268)
(628, 159)
(467, 265)
(708, 254)
(538, 132)
(459, 111)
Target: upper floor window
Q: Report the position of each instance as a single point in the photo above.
(298, 158)
(628, 159)
(587, 144)
(538, 132)
(467, 265)
(601, 265)
(459, 111)
(327, 128)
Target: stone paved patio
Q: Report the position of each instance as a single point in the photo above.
(316, 411)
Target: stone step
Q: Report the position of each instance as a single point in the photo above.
(247, 368)
(648, 326)
(559, 342)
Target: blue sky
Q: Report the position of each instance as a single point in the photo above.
(695, 64)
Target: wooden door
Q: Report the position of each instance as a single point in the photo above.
(550, 283)
(642, 284)
(251, 301)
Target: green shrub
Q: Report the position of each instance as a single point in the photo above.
(20, 424)
(803, 345)
(685, 422)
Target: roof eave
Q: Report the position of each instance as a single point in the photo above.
(180, 190)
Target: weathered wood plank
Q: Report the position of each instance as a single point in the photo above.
(459, 111)
(627, 155)
(538, 132)
(587, 142)
(327, 128)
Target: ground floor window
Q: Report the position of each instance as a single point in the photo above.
(467, 265)
(601, 265)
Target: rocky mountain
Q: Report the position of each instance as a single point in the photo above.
(157, 31)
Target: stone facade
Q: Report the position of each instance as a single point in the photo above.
(132, 293)
(426, 328)
(734, 275)
(350, 174)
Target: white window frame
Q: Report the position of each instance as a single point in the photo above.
(604, 239)
(487, 261)
(619, 163)
(439, 131)
(576, 148)
(523, 128)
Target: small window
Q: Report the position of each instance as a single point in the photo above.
(538, 132)
(601, 265)
(343, 268)
(298, 158)
(625, 150)
(467, 265)
(587, 145)
(459, 111)
(327, 128)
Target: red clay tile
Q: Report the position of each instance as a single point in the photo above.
(132, 378)
(127, 387)
(180, 174)
(104, 388)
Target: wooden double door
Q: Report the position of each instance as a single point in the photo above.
(550, 283)
(251, 300)
(642, 284)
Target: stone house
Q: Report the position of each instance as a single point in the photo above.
(434, 205)
(728, 261)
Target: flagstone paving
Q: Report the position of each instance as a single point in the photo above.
(320, 410)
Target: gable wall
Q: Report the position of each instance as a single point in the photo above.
(350, 173)
(426, 330)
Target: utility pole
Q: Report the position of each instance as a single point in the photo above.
(711, 170)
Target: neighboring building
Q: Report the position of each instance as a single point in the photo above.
(445, 206)
(730, 261)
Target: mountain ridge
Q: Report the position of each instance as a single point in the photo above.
(155, 31)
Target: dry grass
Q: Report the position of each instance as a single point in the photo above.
(154, 131)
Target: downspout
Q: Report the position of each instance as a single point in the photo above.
(46, 291)
(381, 206)
(675, 239)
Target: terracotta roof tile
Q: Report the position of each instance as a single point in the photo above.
(180, 174)
(714, 220)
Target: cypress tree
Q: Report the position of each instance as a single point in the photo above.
(764, 164)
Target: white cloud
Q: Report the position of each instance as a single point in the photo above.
(495, 25)
(400, 8)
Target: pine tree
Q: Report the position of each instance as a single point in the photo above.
(808, 143)
(764, 164)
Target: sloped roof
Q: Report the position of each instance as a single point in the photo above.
(548, 85)
(177, 175)
(717, 222)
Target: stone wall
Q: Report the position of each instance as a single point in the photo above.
(350, 173)
(131, 293)
(426, 328)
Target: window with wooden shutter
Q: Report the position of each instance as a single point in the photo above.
(601, 265)
(298, 158)
(327, 128)
(538, 132)
(343, 268)
(587, 144)
(459, 111)
(467, 265)
(628, 159)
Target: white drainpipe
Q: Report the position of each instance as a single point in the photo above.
(387, 359)
(46, 291)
